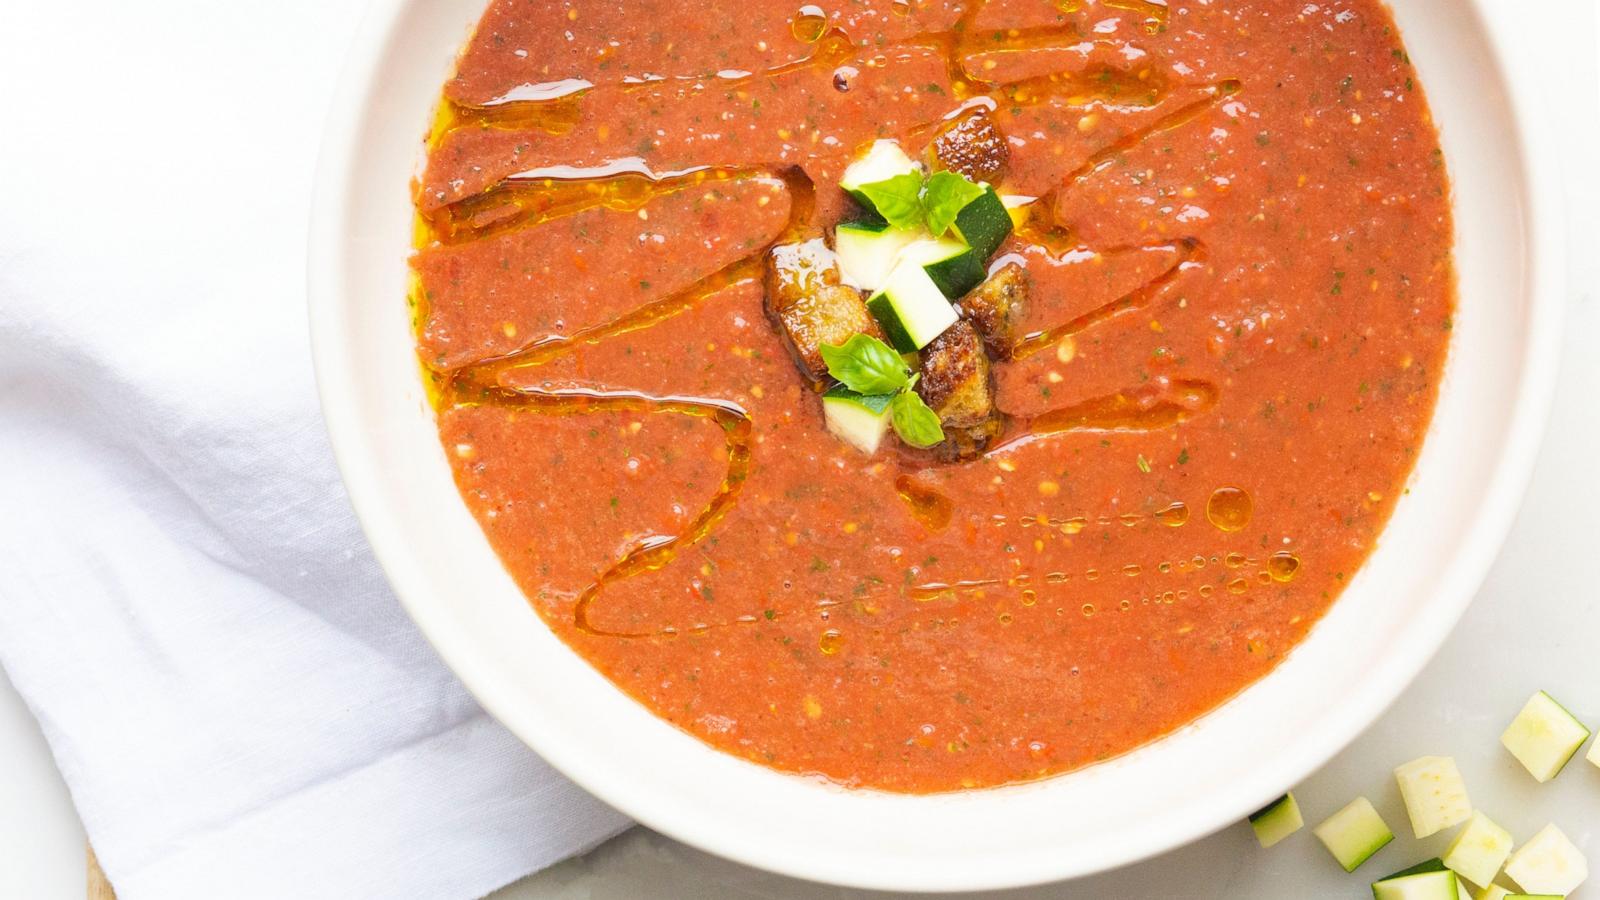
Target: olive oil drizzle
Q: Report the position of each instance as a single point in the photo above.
(1123, 411)
(522, 202)
(1189, 252)
(957, 45)
(655, 552)
(492, 372)
(1214, 94)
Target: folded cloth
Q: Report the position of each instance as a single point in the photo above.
(186, 602)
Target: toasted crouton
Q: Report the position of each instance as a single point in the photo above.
(956, 382)
(807, 302)
(971, 146)
(958, 385)
(995, 307)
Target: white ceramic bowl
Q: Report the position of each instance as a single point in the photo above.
(1377, 637)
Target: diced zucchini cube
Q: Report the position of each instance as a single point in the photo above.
(1492, 892)
(867, 251)
(1548, 864)
(1425, 881)
(882, 161)
(1594, 752)
(1354, 834)
(984, 223)
(1479, 850)
(1277, 820)
(911, 308)
(1436, 797)
(857, 419)
(953, 266)
(1544, 736)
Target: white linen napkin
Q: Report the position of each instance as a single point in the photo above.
(237, 702)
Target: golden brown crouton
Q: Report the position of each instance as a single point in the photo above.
(955, 379)
(807, 302)
(971, 146)
(996, 306)
(957, 384)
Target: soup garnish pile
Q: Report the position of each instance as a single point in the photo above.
(932, 395)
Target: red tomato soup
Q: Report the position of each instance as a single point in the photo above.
(1230, 260)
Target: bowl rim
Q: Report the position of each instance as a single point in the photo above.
(1543, 275)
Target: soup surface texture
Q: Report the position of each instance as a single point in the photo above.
(1241, 299)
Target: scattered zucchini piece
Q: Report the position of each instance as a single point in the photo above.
(1594, 752)
(984, 223)
(1436, 797)
(1425, 881)
(1548, 863)
(1479, 850)
(1492, 892)
(1354, 834)
(860, 420)
(1544, 736)
(1277, 820)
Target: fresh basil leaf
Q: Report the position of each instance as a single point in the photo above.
(947, 195)
(916, 424)
(866, 365)
(897, 199)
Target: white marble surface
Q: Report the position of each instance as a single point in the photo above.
(1536, 624)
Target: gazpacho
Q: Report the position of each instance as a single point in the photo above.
(932, 395)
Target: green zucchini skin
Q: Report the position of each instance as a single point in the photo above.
(867, 250)
(911, 307)
(860, 420)
(984, 224)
